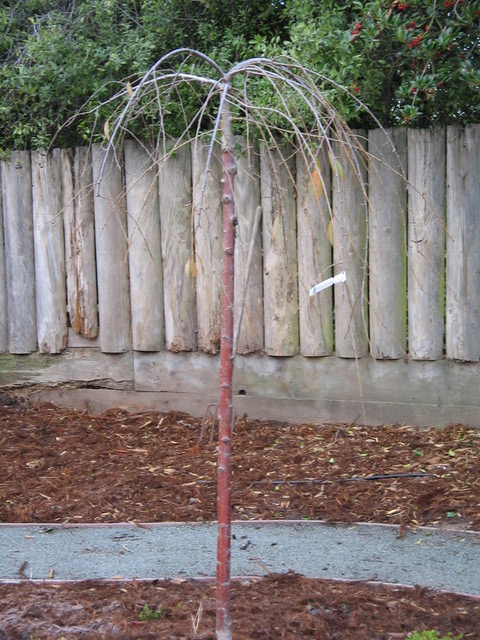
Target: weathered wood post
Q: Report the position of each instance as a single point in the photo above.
(426, 243)
(463, 242)
(175, 203)
(313, 185)
(111, 247)
(19, 256)
(79, 230)
(280, 278)
(207, 208)
(3, 286)
(145, 249)
(387, 192)
(49, 252)
(350, 252)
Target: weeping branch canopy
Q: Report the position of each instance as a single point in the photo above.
(299, 117)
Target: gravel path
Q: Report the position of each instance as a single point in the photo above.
(442, 559)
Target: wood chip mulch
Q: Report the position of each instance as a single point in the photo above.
(62, 465)
(279, 606)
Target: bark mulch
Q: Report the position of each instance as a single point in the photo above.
(285, 606)
(62, 465)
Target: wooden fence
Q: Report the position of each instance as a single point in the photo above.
(130, 265)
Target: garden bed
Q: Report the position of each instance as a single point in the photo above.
(64, 466)
(286, 606)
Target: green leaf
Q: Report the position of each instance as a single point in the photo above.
(150, 614)
(335, 164)
(106, 129)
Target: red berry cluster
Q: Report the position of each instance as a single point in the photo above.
(402, 7)
(356, 31)
(415, 42)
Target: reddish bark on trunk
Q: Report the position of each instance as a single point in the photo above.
(224, 487)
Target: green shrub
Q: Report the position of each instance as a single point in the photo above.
(150, 614)
(415, 63)
(431, 635)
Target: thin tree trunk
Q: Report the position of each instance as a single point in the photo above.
(224, 487)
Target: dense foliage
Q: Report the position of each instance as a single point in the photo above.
(412, 63)
(415, 63)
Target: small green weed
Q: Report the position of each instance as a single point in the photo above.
(150, 614)
(432, 635)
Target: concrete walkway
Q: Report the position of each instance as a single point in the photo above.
(447, 560)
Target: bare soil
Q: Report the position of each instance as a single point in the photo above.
(61, 465)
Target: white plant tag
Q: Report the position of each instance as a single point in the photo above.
(340, 277)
